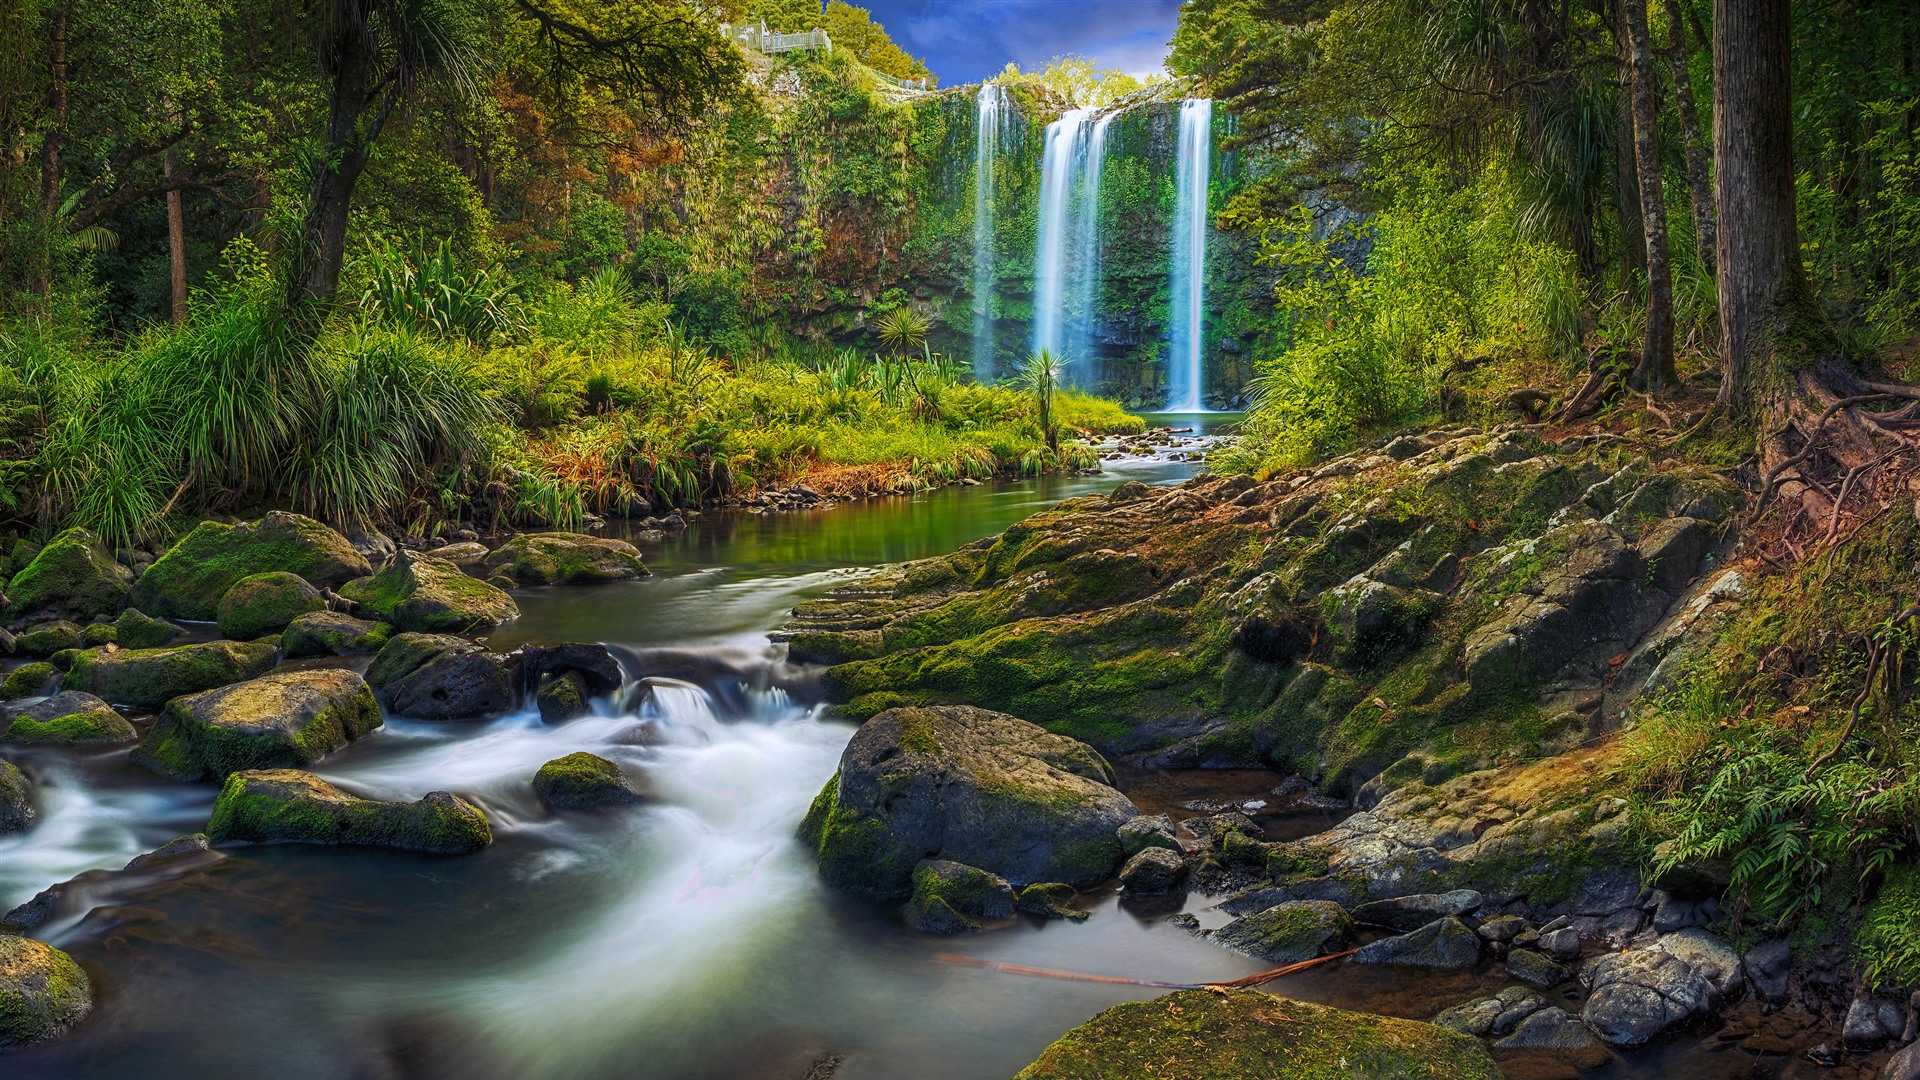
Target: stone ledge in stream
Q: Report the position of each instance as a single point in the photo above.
(149, 678)
(975, 787)
(69, 718)
(1248, 1035)
(286, 806)
(442, 677)
(282, 720)
(419, 593)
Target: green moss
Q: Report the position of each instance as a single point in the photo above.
(27, 680)
(136, 630)
(917, 735)
(428, 595)
(261, 604)
(189, 580)
(582, 780)
(150, 678)
(284, 720)
(74, 575)
(855, 850)
(103, 727)
(283, 806)
(42, 991)
(48, 638)
(1051, 900)
(1247, 1035)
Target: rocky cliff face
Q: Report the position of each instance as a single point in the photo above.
(1413, 612)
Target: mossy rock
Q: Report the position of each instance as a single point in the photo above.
(149, 678)
(563, 698)
(1289, 933)
(135, 629)
(262, 604)
(583, 781)
(285, 719)
(74, 577)
(16, 799)
(45, 639)
(1248, 1035)
(94, 635)
(188, 581)
(972, 786)
(442, 677)
(42, 991)
(286, 806)
(952, 898)
(1050, 900)
(70, 718)
(566, 559)
(27, 680)
(333, 633)
(421, 594)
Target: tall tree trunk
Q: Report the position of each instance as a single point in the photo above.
(57, 116)
(1626, 194)
(347, 56)
(1656, 356)
(1771, 327)
(176, 242)
(1699, 160)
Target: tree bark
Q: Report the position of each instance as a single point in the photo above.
(1771, 327)
(347, 57)
(176, 243)
(1656, 355)
(1626, 196)
(1699, 155)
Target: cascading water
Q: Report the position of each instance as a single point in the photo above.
(1057, 174)
(990, 114)
(1084, 313)
(1185, 392)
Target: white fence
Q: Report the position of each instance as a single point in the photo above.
(758, 38)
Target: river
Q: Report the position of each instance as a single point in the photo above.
(686, 938)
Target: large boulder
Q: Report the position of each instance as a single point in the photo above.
(47, 638)
(282, 720)
(1248, 1035)
(16, 799)
(27, 680)
(261, 604)
(69, 718)
(1154, 871)
(1635, 995)
(968, 785)
(149, 678)
(441, 677)
(566, 559)
(286, 806)
(73, 577)
(42, 991)
(333, 633)
(1289, 933)
(426, 595)
(189, 580)
(583, 781)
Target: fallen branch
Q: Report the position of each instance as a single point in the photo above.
(1259, 978)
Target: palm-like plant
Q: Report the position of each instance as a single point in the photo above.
(903, 330)
(1040, 376)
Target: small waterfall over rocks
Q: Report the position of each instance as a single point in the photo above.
(991, 116)
(1062, 151)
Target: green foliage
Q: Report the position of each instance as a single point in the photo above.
(436, 295)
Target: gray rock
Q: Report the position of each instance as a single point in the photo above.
(1768, 965)
(16, 799)
(563, 698)
(1413, 912)
(194, 844)
(1474, 1017)
(951, 898)
(1695, 878)
(1443, 943)
(1561, 944)
(1536, 970)
(1502, 929)
(583, 781)
(1153, 871)
(1144, 832)
(1516, 1004)
(43, 992)
(1606, 891)
(1862, 1030)
(973, 786)
(1714, 959)
(1551, 1028)
(1636, 995)
(441, 677)
(287, 806)
(1289, 933)
(599, 672)
(1671, 913)
(1903, 1065)
(69, 718)
(333, 633)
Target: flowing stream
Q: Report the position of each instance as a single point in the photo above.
(688, 937)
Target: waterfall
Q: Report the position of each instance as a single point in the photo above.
(1057, 174)
(1066, 265)
(990, 116)
(1084, 313)
(1184, 390)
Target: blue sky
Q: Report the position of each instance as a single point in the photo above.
(965, 41)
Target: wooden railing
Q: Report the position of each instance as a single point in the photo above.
(758, 38)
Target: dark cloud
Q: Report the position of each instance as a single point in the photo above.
(967, 40)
